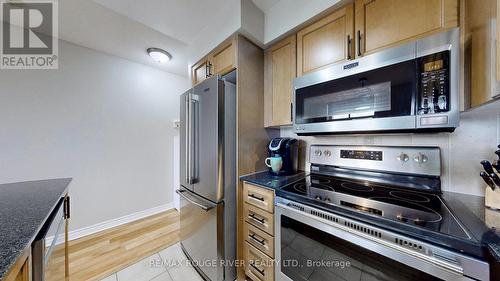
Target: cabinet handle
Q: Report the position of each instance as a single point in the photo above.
(66, 208)
(251, 195)
(349, 56)
(253, 216)
(207, 70)
(359, 43)
(256, 239)
(258, 270)
(210, 69)
(291, 112)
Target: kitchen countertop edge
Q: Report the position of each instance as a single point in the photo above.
(265, 179)
(6, 270)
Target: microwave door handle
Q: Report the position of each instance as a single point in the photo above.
(349, 56)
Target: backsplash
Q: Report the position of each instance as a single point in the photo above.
(461, 151)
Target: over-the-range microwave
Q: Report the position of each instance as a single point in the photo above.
(409, 88)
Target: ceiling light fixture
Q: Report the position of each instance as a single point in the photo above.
(159, 55)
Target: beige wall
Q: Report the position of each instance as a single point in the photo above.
(475, 140)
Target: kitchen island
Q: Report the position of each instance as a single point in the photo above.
(25, 207)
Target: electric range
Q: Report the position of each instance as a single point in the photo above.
(379, 207)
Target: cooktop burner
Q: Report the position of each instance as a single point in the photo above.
(410, 196)
(420, 209)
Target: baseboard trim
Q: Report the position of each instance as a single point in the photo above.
(85, 231)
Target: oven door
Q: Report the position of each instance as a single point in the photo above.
(308, 247)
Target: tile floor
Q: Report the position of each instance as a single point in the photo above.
(169, 264)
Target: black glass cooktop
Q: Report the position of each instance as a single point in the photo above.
(419, 209)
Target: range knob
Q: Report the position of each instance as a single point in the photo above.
(420, 158)
(327, 200)
(327, 153)
(403, 157)
(317, 152)
(317, 197)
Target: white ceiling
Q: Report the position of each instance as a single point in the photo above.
(183, 20)
(126, 28)
(91, 25)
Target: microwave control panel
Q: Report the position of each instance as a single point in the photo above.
(434, 84)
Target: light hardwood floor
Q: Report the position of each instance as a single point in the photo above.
(96, 256)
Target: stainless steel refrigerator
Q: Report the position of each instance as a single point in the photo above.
(208, 177)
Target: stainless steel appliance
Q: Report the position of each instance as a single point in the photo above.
(410, 88)
(208, 177)
(288, 150)
(44, 264)
(372, 213)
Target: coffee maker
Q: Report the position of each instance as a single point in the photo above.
(288, 150)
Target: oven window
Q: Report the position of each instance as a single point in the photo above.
(310, 254)
(384, 92)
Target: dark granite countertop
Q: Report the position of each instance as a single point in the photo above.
(24, 209)
(264, 178)
(483, 223)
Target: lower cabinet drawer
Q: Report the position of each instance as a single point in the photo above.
(258, 266)
(259, 197)
(259, 218)
(259, 239)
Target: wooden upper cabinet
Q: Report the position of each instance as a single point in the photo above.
(327, 41)
(279, 72)
(219, 62)
(383, 23)
(223, 58)
(200, 71)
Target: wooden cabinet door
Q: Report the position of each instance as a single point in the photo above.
(279, 72)
(222, 59)
(200, 71)
(383, 23)
(326, 41)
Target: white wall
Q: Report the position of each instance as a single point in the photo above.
(252, 22)
(102, 120)
(476, 139)
(216, 30)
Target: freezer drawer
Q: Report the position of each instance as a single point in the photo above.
(201, 238)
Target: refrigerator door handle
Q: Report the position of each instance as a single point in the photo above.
(188, 138)
(193, 200)
(193, 138)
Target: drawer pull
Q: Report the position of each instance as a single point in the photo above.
(258, 270)
(253, 216)
(256, 239)
(251, 195)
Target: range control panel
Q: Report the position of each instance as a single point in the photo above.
(362, 154)
(399, 159)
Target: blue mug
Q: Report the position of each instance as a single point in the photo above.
(275, 163)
